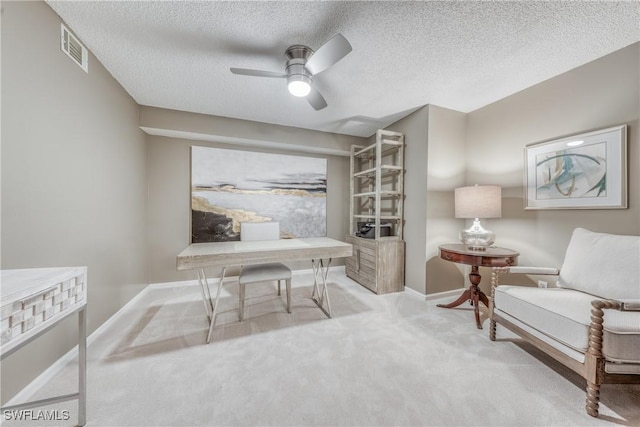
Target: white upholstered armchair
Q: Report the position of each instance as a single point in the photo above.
(590, 321)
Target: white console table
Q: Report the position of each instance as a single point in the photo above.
(35, 300)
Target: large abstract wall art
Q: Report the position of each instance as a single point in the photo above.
(233, 186)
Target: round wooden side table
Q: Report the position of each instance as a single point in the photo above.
(490, 257)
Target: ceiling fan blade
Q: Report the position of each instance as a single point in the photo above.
(328, 54)
(316, 99)
(257, 73)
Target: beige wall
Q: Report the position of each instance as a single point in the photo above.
(447, 149)
(73, 178)
(435, 165)
(415, 128)
(597, 95)
(446, 171)
(169, 178)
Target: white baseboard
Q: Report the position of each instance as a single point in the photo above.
(437, 295)
(30, 389)
(414, 292)
(444, 294)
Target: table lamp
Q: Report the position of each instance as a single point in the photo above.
(478, 201)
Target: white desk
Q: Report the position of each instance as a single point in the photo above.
(199, 256)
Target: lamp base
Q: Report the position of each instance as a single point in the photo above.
(476, 237)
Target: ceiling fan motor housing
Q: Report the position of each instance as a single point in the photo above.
(297, 56)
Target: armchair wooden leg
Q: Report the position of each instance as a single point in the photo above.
(594, 360)
(593, 398)
(495, 273)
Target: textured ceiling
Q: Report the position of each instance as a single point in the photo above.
(458, 55)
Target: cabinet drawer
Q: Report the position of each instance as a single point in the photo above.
(370, 253)
(364, 250)
(370, 244)
(361, 267)
(362, 278)
(362, 261)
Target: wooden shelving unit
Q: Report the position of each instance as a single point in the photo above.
(377, 198)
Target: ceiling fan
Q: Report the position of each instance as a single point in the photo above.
(303, 64)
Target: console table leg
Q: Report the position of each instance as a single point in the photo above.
(82, 367)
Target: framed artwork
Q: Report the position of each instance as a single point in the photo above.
(233, 186)
(585, 171)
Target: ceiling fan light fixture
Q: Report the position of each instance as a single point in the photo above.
(299, 85)
(302, 64)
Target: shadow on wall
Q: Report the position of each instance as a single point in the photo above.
(443, 276)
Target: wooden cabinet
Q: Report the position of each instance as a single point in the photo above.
(377, 264)
(376, 203)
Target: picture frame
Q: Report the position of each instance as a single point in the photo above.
(231, 186)
(582, 171)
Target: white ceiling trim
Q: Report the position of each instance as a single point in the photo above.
(246, 142)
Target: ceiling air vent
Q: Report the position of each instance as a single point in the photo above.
(73, 48)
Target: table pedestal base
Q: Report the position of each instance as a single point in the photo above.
(474, 295)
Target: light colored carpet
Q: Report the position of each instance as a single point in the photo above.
(393, 360)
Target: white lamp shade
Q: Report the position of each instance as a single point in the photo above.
(478, 201)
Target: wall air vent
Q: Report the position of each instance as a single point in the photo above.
(73, 48)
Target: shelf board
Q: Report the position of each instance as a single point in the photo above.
(370, 150)
(385, 217)
(385, 170)
(385, 132)
(391, 142)
(382, 194)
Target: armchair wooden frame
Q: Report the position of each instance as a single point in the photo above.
(593, 368)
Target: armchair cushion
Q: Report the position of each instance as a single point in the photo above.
(565, 315)
(602, 264)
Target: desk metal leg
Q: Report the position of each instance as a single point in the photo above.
(211, 306)
(320, 293)
(204, 290)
